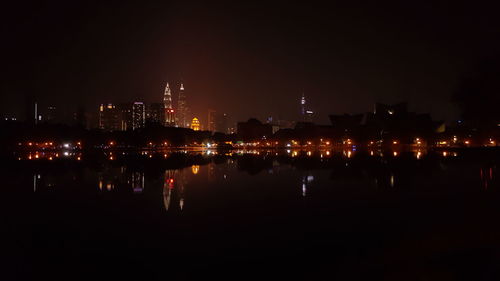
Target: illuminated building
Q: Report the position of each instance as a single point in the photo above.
(195, 124)
(182, 109)
(306, 114)
(126, 116)
(303, 105)
(109, 117)
(138, 115)
(168, 107)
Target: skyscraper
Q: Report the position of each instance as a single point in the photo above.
(211, 120)
(182, 109)
(138, 115)
(303, 105)
(109, 117)
(155, 113)
(169, 109)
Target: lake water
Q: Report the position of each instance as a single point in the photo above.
(345, 215)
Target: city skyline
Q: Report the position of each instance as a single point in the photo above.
(343, 63)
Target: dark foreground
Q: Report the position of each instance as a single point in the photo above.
(255, 217)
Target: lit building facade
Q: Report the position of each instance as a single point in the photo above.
(126, 116)
(138, 115)
(182, 109)
(195, 124)
(109, 117)
(168, 107)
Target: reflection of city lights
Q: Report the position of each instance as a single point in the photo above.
(395, 153)
(195, 169)
(419, 154)
(392, 180)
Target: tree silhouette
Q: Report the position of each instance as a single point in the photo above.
(478, 94)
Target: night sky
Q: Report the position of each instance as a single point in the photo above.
(248, 60)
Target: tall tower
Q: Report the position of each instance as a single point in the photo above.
(303, 105)
(169, 109)
(182, 110)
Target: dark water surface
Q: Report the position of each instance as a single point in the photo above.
(341, 216)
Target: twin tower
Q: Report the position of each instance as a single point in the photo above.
(179, 117)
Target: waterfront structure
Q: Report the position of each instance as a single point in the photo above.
(168, 107)
(195, 124)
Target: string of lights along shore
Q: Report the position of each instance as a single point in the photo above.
(174, 111)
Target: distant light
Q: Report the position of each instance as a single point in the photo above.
(395, 142)
(66, 145)
(66, 153)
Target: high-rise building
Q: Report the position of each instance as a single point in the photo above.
(303, 105)
(126, 116)
(168, 107)
(51, 115)
(109, 117)
(195, 124)
(155, 113)
(182, 109)
(221, 123)
(138, 115)
(211, 120)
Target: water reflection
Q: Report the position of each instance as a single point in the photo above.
(373, 168)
